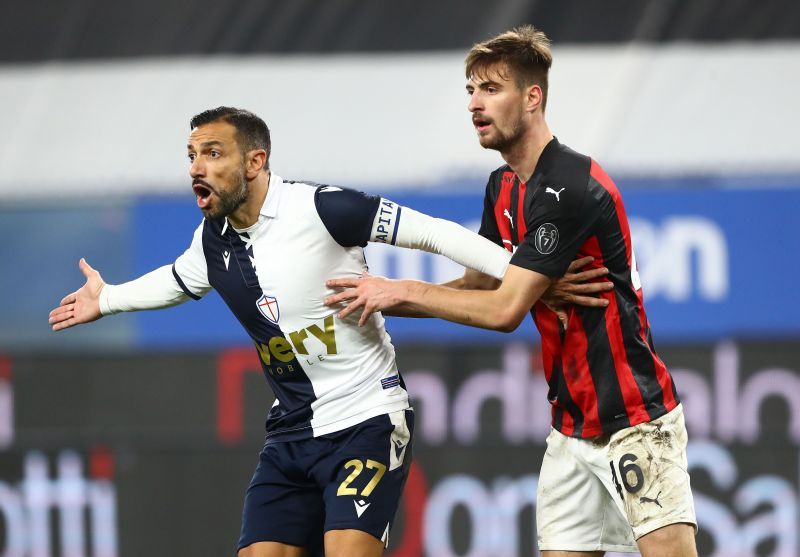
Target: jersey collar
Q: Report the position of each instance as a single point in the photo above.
(270, 206)
(269, 209)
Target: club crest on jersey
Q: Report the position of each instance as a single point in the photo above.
(268, 306)
(546, 238)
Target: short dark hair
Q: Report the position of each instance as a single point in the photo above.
(251, 131)
(525, 51)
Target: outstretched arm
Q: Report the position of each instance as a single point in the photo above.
(154, 290)
(502, 309)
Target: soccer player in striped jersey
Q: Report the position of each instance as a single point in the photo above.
(614, 473)
(338, 443)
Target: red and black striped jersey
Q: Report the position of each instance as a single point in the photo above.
(603, 371)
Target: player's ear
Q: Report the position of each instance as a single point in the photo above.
(533, 98)
(255, 162)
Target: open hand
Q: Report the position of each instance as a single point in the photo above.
(367, 292)
(83, 305)
(577, 287)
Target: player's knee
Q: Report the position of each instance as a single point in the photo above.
(675, 540)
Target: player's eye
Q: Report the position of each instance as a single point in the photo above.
(214, 154)
(192, 156)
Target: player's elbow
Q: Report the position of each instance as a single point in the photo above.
(508, 319)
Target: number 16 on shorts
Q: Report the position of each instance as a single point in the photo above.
(630, 473)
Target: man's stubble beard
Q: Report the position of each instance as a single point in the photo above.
(504, 142)
(229, 201)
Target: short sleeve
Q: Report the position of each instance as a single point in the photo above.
(557, 227)
(347, 214)
(191, 270)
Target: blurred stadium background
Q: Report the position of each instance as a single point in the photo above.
(138, 435)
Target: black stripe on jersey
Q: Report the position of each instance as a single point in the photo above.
(637, 353)
(610, 402)
(238, 286)
(239, 247)
(182, 285)
(640, 359)
(489, 229)
(558, 385)
(347, 214)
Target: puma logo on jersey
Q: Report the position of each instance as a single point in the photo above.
(508, 216)
(554, 192)
(361, 506)
(653, 500)
(226, 257)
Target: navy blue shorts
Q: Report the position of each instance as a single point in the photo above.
(349, 479)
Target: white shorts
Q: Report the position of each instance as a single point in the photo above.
(604, 493)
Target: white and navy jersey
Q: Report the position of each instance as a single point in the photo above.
(327, 374)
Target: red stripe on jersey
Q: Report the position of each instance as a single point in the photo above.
(522, 228)
(630, 390)
(597, 172)
(578, 377)
(664, 378)
(549, 327)
(502, 206)
(567, 423)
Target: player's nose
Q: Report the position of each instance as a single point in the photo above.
(197, 168)
(475, 102)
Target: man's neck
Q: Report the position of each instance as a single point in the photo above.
(247, 213)
(524, 154)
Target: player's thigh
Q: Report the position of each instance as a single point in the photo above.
(282, 505)
(272, 549)
(352, 543)
(367, 473)
(675, 540)
(574, 511)
(650, 472)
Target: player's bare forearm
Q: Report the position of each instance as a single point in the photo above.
(475, 308)
(502, 309)
(471, 280)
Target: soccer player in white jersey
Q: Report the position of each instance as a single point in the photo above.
(337, 450)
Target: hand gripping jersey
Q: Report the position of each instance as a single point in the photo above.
(603, 371)
(327, 374)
